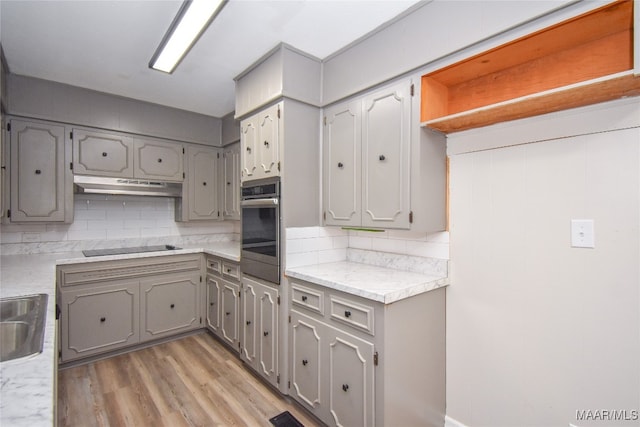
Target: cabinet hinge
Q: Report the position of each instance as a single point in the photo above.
(278, 379)
(59, 354)
(278, 299)
(201, 320)
(411, 217)
(278, 166)
(8, 213)
(218, 154)
(183, 176)
(71, 165)
(288, 384)
(70, 135)
(278, 111)
(325, 120)
(239, 293)
(8, 127)
(182, 150)
(289, 318)
(412, 90)
(324, 215)
(375, 359)
(200, 279)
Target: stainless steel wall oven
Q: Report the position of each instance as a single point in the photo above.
(260, 214)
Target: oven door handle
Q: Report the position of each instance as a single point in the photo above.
(259, 202)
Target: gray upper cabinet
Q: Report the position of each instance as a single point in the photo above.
(231, 181)
(154, 159)
(260, 144)
(102, 154)
(284, 71)
(366, 169)
(41, 180)
(200, 191)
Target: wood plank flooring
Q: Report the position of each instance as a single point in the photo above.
(193, 381)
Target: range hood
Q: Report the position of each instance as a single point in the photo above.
(126, 186)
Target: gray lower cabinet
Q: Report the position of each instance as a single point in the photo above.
(99, 319)
(259, 338)
(355, 362)
(110, 305)
(169, 304)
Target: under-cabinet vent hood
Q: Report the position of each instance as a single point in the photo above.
(126, 186)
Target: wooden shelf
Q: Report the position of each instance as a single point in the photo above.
(581, 61)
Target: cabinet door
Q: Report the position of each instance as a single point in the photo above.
(229, 313)
(386, 133)
(342, 164)
(231, 183)
(155, 159)
(306, 362)
(102, 154)
(203, 182)
(98, 319)
(170, 305)
(214, 291)
(249, 318)
(268, 333)
(41, 181)
(268, 142)
(248, 149)
(351, 386)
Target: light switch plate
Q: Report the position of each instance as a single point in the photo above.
(582, 234)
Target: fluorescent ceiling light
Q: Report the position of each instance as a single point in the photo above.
(192, 19)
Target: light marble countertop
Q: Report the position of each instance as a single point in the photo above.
(27, 385)
(381, 284)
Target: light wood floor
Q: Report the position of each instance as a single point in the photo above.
(193, 381)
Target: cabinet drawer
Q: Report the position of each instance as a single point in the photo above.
(214, 265)
(351, 313)
(308, 298)
(231, 270)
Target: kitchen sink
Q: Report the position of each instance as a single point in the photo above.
(22, 321)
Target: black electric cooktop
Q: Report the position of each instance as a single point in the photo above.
(132, 250)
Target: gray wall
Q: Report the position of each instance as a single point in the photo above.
(48, 100)
(230, 129)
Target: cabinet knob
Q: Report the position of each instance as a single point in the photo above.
(347, 313)
(381, 157)
(38, 171)
(266, 144)
(249, 149)
(228, 183)
(103, 319)
(104, 154)
(304, 297)
(204, 183)
(211, 304)
(172, 305)
(340, 165)
(228, 313)
(159, 160)
(248, 322)
(345, 387)
(304, 362)
(265, 333)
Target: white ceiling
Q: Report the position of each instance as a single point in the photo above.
(107, 45)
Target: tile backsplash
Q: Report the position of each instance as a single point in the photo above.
(315, 245)
(130, 220)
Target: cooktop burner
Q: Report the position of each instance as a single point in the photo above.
(133, 250)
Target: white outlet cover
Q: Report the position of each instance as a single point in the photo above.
(582, 233)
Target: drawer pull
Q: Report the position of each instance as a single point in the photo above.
(266, 144)
(345, 387)
(248, 322)
(172, 305)
(204, 184)
(347, 313)
(104, 154)
(304, 297)
(38, 171)
(304, 362)
(340, 165)
(228, 313)
(103, 319)
(159, 160)
(382, 158)
(265, 333)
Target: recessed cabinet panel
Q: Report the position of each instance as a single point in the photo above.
(170, 304)
(249, 336)
(98, 320)
(157, 160)
(102, 154)
(268, 143)
(231, 183)
(385, 150)
(229, 313)
(342, 170)
(39, 168)
(306, 361)
(203, 183)
(350, 380)
(248, 141)
(214, 291)
(268, 333)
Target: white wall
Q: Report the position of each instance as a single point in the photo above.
(114, 220)
(536, 329)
